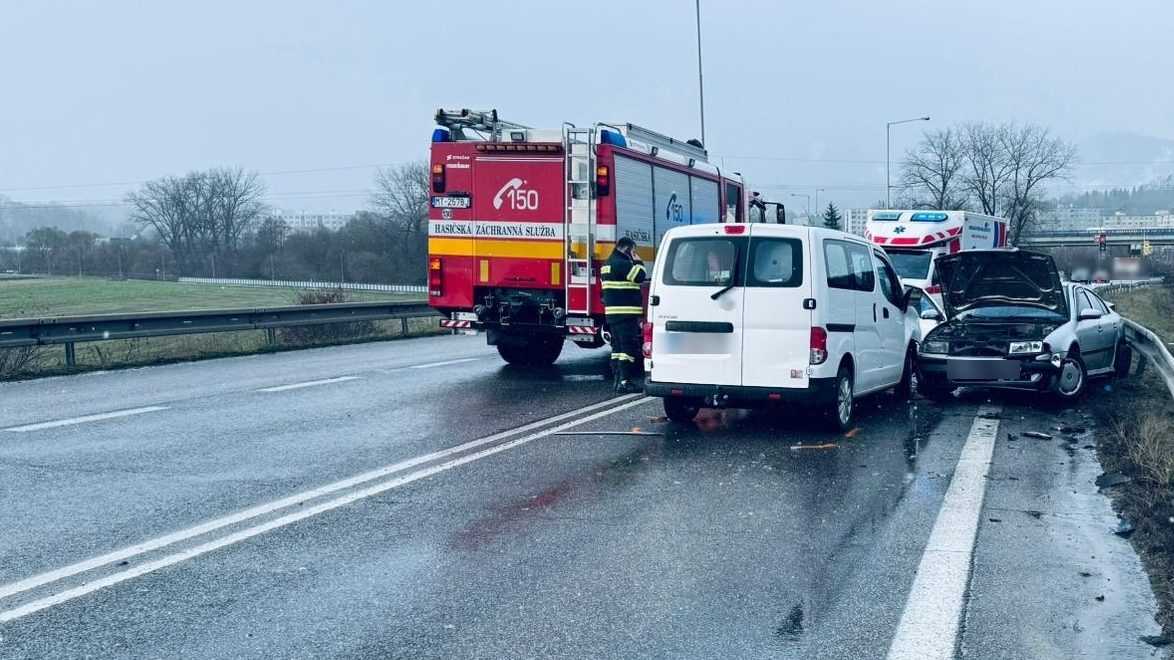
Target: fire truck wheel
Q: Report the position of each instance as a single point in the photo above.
(538, 352)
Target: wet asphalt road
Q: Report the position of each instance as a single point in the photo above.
(750, 535)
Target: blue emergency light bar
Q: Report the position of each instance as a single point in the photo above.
(929, 217)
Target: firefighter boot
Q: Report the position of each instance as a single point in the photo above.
(630, 383)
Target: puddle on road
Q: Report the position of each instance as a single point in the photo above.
(791, 629)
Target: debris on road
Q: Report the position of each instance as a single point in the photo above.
(1110, 479)
(995, 520)
(826, 445)
(658, 420)
(1085, 574)
(1100, 598)
(1037, 435)
(852, 433)
(1035, 514)
(1011, 437)
(1124, 529)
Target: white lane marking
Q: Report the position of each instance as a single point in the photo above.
(933, 612)
(276, 505)
(308, 383)
(85, 419)
(250, 532)
(443, 364)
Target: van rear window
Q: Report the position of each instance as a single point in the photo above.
(721, 261)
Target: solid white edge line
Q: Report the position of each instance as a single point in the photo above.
(84, 419)
(308, 383)
(445, 363)
(933, 611)
(151, 545)
(244, 534)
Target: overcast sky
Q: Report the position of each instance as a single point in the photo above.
(114, 92)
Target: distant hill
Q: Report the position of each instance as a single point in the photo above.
(18, 219)
(1123, 160)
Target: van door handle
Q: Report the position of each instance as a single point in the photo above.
(874, 312)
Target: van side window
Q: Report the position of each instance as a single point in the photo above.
(890, 284)
(849, 266)
(775, 262)
(704, 261)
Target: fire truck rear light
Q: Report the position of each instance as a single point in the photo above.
(647, 346)
(735, 229)
(819, 345)
(435, 276)
(438, 177)
(602, 181)
(677, 392)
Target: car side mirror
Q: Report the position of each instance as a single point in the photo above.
(781, 214)
(1112, 306)
(1089, 315)
(931, 315)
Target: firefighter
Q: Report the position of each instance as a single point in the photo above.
(623, 303)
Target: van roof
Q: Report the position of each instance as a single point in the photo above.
(762, 229)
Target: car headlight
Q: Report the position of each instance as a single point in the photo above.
(1026, 347)
(935, 347)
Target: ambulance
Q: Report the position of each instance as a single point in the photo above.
(522, 218)
(913, 239)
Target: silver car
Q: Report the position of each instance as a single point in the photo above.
(1011, 323)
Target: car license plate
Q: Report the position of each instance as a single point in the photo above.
(982, 370)
(461, 202)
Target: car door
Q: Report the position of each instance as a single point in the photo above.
(1110, 328)
(696, 337)
(776, 319)
(890, 320)
(1090, 333)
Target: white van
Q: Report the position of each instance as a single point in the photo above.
(745, 315)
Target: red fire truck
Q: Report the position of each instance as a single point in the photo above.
(521, 219)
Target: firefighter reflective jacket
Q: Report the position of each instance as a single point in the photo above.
(621, 279)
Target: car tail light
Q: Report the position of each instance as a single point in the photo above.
(435, 276)
(647, 340)
(933, 288)
(438, 178)
(602, 181)
(819, 345)
(735, 229)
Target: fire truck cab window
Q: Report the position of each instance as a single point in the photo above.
(733, 202)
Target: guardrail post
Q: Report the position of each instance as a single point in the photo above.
(70, 356)
(271, 336)
(403, 326)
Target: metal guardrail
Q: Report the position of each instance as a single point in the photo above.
(306, 284)
(1152, 350)
(67, 330)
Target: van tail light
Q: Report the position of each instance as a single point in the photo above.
(438, 177)
(602, 181)
(735, 229)
(647, 340)
(933, 288)
(435, 276)
(819, 345)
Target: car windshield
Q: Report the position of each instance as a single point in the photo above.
(911, 265)
(1010, 312)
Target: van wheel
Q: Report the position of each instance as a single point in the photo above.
(1123, 360)
(904, 387)
(680, 410)
(1072, 378)
(539, 352)
(843, 404)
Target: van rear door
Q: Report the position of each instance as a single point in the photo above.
(776, 334)
(697, 318)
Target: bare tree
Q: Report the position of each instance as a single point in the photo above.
(401, 201)
(931, 173)
(1034, 157)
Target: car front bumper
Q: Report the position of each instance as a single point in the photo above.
(1027, 372)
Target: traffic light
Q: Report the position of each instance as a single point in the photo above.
(1146, 248)
(1101, 243)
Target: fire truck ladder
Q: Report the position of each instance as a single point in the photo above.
(579, 217)
(485, 122)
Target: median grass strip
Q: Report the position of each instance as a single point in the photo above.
(74, 296)
(1141, 448)
(44, 297)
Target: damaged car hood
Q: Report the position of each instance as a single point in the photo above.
(974, 279)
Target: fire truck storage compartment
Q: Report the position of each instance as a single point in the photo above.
(651, 199)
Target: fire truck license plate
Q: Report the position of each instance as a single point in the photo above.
(450, 202)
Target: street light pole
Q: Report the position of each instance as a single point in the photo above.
(889, 125)
(807, 203)
(700, 79)
(817, 191)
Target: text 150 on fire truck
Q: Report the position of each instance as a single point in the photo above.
(521, 219)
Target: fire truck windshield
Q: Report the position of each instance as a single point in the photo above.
(911, 265)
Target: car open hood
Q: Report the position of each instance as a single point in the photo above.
(997, 278)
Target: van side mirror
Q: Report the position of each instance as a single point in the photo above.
(781, 214)
(1089, 315)
(931, 315)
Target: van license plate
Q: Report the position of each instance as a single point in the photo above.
(461, 202)
(982, 370)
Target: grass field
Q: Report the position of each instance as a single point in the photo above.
(29, 298)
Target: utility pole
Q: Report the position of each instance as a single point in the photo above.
(700, 78)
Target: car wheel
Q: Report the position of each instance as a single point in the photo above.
(1123, 360)
(1072, 378)
(906, 385)
(934, 389)
(680, 410)
(843, 405)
